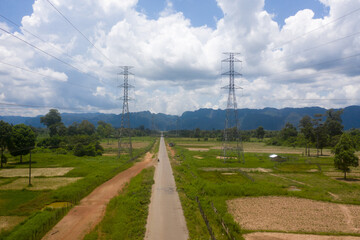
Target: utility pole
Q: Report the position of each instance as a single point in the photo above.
(125, 130)
(232, 126)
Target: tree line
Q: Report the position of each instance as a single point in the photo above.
(82, 139)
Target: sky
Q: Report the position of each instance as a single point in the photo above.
(67, 54)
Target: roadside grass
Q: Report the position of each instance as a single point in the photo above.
(213, 187)
(126, 214)
(93, 171)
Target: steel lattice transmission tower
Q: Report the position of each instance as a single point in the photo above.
(125, 130)
(232, 125)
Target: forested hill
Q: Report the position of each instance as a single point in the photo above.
(269, 118)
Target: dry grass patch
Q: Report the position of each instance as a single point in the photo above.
(198, 157)
(8, 222)
(348, 179)
(198, 149)
(209, 169)
(114, 145)
(295, 215)
(35, 172)
(58, 205)
(341, 174)
(39, 183)
(109, 154)
(291, 236)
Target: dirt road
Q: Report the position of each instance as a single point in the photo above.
(84, 217)
(166, 218)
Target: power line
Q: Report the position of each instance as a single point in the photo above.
(36, 106)
(312, 65)
(79, 31)
(315, 29)
(39, 38)
(317, 46)
(43, 75)
(48, 54)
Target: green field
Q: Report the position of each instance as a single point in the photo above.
(203, 175)
(31, 202)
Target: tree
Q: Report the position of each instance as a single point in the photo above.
(86, 127)
(319, 132)
(73, 129)
(52, 120)
(306, 128)
(5, 135)
(105, 129)
(22, 140)
(333, 122)
(260, 132)
(345, 154)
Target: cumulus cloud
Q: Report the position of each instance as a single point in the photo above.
(177, 65)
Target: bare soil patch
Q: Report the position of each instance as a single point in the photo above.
(198, 149)
(293, 189)
(8, 222)
(294, 214)
(291, 236)
(39, 183)
(35, 172)
(84, 217)
(222, 157)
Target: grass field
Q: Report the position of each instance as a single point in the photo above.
(202, 174)
(53, 172)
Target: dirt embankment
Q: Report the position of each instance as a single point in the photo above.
(85, 216)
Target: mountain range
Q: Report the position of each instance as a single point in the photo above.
(206, 119)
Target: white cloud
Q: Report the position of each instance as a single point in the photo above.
(177, 66)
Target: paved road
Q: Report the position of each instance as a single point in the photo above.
(84, 217)
(166, 218)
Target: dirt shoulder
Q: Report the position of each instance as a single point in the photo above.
(84, 217)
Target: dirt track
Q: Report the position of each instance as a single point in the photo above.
(85, 216)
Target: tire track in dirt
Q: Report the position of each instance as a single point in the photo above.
(84, 217)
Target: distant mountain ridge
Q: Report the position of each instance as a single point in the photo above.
(207, 119)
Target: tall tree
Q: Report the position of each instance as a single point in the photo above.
(289, 131)
(333, 122)
(52, 120)
(306, 128)
(22, 140)
(260, 132)
(5, 135)
(104, 129)
(318, 131)
(86, 127)
(345, 154)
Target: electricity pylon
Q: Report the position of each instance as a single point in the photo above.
(125, 130)
(232, 125)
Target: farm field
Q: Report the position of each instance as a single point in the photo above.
(302, 195)
(59, 182)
